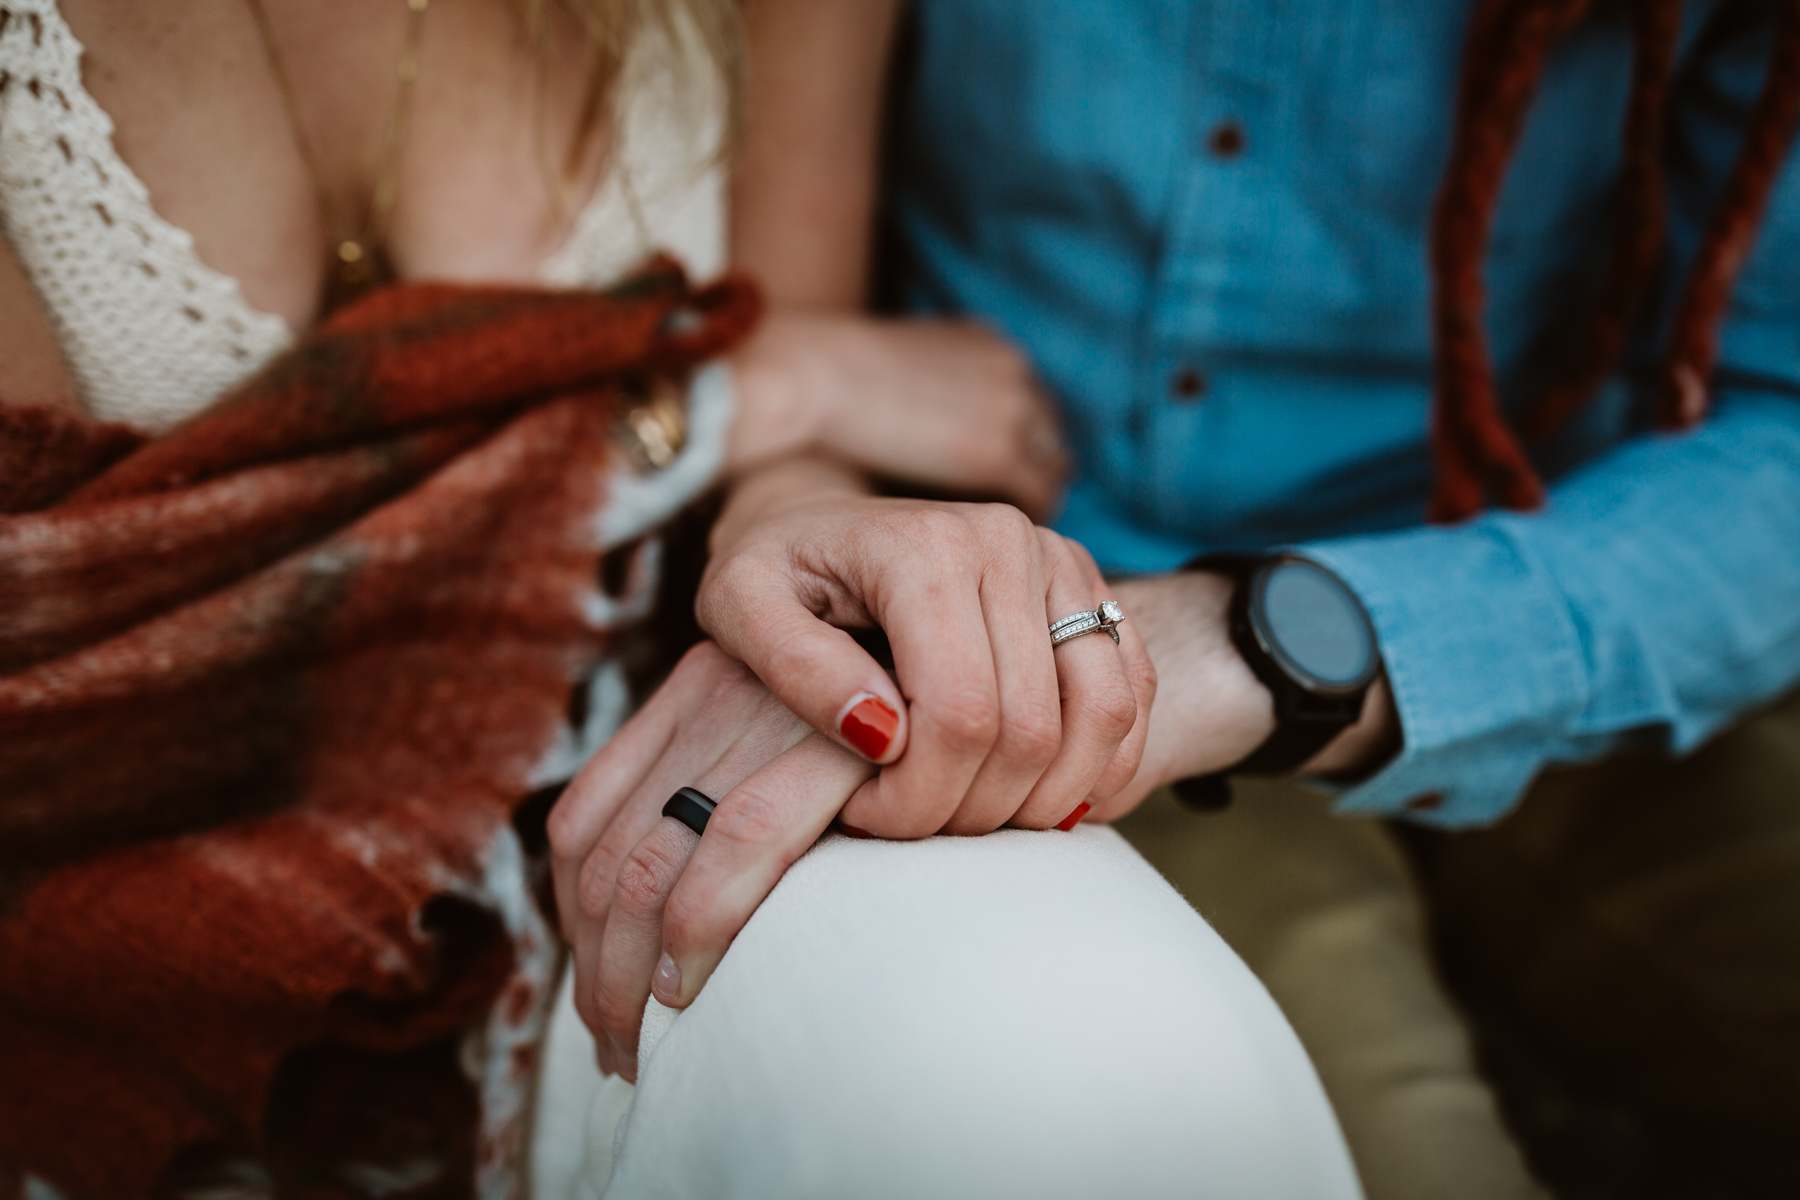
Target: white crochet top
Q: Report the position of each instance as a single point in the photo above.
(150, 332)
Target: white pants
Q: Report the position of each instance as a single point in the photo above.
(1024, 1014)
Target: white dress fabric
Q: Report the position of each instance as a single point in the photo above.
(1030, 1015)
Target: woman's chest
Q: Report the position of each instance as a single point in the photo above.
(273, 134)
(165, 222)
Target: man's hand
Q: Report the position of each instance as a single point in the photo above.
(633, 886)
(1210, 710)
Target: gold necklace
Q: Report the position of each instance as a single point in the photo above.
(359, 258)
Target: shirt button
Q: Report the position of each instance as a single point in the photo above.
(1187, 385)
(1226, 139)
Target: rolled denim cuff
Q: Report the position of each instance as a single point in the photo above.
(1483, 661)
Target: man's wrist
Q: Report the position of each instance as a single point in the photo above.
(1210, 710)
(1365, 745)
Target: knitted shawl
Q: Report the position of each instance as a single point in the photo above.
(273, 687)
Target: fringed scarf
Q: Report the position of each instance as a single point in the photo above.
(272, 687)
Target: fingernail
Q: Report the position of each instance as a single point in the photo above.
(869, 725)
(1073, 819)
(666, 983)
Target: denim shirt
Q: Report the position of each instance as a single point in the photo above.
(1207, 223)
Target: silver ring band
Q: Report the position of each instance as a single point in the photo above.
(1105, 619)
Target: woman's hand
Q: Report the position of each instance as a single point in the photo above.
(632, 885)
(996, 726)
(938, 403)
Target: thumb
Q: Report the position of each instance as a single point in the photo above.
(815, 668)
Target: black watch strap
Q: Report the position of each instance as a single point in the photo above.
(1294, 740)
(1282, 753)
(1288, 748)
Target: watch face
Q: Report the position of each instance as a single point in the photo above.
(1314, 626)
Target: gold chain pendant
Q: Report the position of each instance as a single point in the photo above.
(353, 270)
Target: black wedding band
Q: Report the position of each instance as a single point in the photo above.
(692, 807)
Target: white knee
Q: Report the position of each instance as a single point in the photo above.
(1018, 1015)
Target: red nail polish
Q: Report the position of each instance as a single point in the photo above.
(870, 727)
(1073, 819)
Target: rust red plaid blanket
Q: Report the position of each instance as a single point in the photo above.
(272, 687)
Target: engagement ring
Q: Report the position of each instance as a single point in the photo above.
(1107, 618)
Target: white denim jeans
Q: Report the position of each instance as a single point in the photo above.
(1024, 1014)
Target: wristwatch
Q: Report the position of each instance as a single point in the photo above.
(1308, 639)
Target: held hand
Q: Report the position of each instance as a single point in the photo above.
(632, 884)
(938, 403)
(648, 906)
(985, 724)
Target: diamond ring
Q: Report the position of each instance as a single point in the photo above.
(1105, 619)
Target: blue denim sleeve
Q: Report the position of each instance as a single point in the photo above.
(1657, 596)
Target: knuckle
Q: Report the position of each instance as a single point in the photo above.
(971, 824)
(1124, 766)
(942, 529)
(1119, 772)
(564, 828)
(748, 816)
(906, 823)
(1054, 548)
(735, 688)
(902, 812)
(968, 722)
(645, 877)
(1031, 738)
(1084, 559)
(704, 657)
(688, 920)
(1140, 672)
(728, 584)
(1005, 523)
(723, 681)
(1111, 709)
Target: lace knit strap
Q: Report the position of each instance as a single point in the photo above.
(149, 331)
